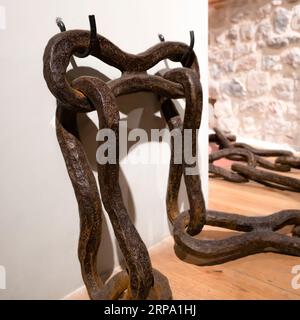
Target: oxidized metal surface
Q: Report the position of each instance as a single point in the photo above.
(62, 46)
(131, 245)
(230, 175)
(259, 233)
(87, 195)
(291, 161)
(86, 94)
(241, 173)
(192, 119)
(259, 236)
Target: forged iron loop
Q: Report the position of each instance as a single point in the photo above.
(262, 176)
(131, 245)
(290, 161)
(192, 119)
(241, 174)
(86, 94)
(259, 232)
(226, 174)
(225, 142)
(258, 237)
(90, 211)
(63, 45)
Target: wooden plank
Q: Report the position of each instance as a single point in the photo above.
(232, 280)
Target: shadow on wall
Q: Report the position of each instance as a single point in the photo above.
(140, 111)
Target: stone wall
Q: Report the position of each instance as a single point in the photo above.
(254, 66)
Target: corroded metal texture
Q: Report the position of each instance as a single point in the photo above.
(230, 175)
(86, 94)
(131, 245)
(290, 161)
(225, 142)
(263, 176)
(240, 173)
(87, 196)
(257, 234)
(192, 118)
(62, 46)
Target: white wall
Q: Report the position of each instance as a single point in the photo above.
(38, 210)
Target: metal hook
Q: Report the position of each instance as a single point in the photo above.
(94, 47)
(60, 24)
(186, 59)
(161, 37)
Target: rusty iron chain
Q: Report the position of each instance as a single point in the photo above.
(239, 173)
(259, 233)
(85, 94)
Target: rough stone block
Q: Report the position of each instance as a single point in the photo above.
(282, 18)
(234, 88)
(243, 49)
(295, 21)
(284, 89)
(258, 82)
(292, 57)
(246, 63)
(271, 63)
(247, 31)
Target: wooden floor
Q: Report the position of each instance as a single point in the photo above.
(260, 276)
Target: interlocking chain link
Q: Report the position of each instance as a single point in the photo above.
(86, 94)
